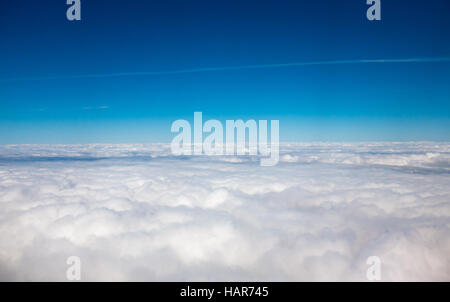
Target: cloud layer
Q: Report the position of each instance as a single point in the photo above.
(135, 212)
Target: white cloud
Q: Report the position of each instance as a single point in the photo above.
(135, 212)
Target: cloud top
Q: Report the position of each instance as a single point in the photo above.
(135, 212)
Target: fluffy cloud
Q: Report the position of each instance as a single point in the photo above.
(135, 212)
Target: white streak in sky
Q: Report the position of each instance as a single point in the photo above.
(231, 68)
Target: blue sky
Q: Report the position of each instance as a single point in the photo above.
(44, 97)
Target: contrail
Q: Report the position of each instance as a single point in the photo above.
(242, 67)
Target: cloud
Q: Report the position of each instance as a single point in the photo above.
(230, 68)
(135, 212)
(95, 108)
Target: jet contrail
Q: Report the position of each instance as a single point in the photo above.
(242, 67)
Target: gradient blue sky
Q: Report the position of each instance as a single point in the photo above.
(45, 99)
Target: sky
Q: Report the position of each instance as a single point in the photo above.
(128, 69)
